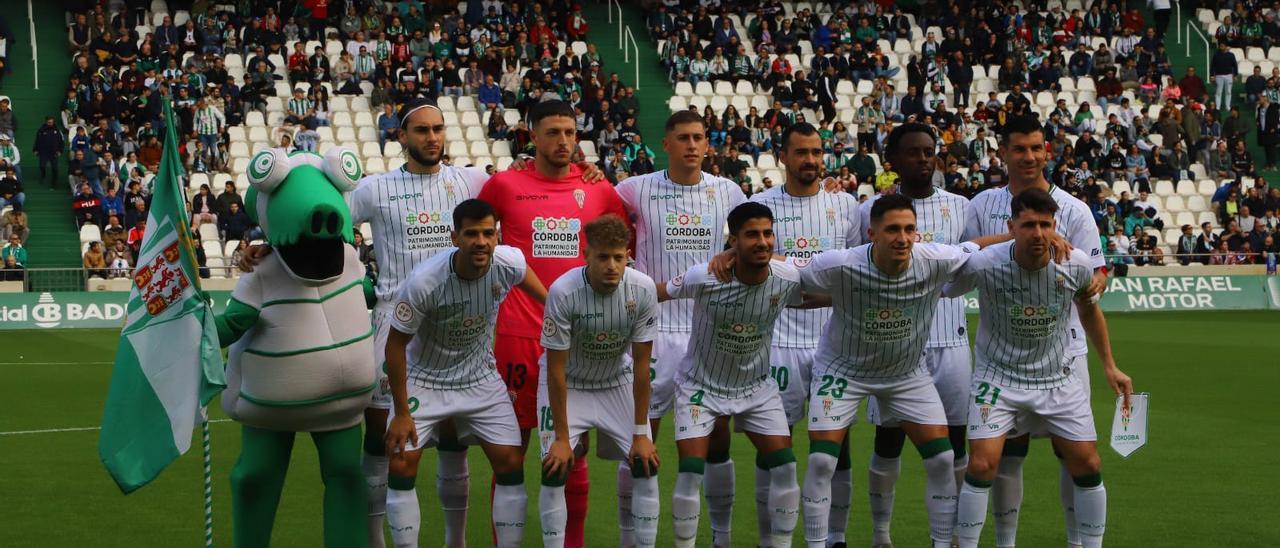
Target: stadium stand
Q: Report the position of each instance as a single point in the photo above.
(1124, 135)
(251, 79)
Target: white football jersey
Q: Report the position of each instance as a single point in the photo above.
(989, 213)
(411, 216)
(1023, 325)
(596, 329)
(677, 226)
(939, 220)
(453, 319)
(880, 322)
(805, 226)
(733, 323)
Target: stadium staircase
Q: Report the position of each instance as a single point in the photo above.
(53, 242)
(654, 90)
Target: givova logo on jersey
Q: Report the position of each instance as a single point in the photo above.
(739, 338)
(805, 246)
(556, 237)
(884, 324)
(1033, 321)
(602, 344)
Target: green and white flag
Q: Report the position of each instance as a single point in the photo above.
(169, 362)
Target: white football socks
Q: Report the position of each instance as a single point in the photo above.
(841, 500)
(554, 513)
(784, 501)
(1006, 499)
(1091, 509)
(626, 525)
(1067, 495)
(403, 516)
(816, 494)
(764, 526)
(881, 478)
(453, 482)
(645, 510)
(375, 476)
(718, 484)
(686, 504)
(940, 491)
(971, 512)
(509, 504)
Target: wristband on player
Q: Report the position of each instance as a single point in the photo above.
(643, 430)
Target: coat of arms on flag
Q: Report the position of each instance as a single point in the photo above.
(162, 282)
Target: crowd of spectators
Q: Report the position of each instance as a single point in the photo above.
(505, 55)
(1099, 80)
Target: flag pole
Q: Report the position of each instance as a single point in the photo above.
(208, 477)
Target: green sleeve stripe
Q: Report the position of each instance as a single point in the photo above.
(312, 401)
(358, 282)
(286, 353)
(933, 447)
(825, 446)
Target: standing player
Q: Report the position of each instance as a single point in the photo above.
(910, 148)
(884, 295)
(726, 370)
(1024, 378)
(410, 210)
(593, 314)
(679, 215)
(807, 222)
(542, 212)
(1024, 152)
(441, 340)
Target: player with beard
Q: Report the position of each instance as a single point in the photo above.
(807, 222)
(1024, 152)
(679, 215)
(910, 149)
(543, 212)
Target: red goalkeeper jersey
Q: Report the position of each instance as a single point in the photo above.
(543, 217)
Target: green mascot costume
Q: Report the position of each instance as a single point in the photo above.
(301, 356)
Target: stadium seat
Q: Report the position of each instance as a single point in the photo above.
(208, 232)
(341, 119)
(1121, 186)
(344, 134)
(718, 104)
(724, 88)
(326, 133)
(1174, 204)
(90, 233)
(369, 150)
(704, 89)
(478, 148)
(744, 88)
(367, 134)
(359, 104)
(1207, 187)
(504, 162)
(1207, 217)
(395, 163)
(470, 119)
(374, 165)
(1196, 203)
(364, 118)
(392, 149)
(457, 148)
(258, 134)
(196, 179)
(1164, 188)
(766, 161)
(1184, 218)
(467, 104)
(475, 134)
(502, 149)
(684, 89)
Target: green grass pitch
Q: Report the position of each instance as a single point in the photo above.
(1207, 478)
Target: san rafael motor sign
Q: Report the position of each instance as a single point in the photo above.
(71, 310)
(1153, 293)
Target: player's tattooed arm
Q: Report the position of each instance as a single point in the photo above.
(643, 454)
(401, 432)
(533, 286)
(1095, 328)
(559, 457)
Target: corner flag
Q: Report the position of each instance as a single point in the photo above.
(169, 362)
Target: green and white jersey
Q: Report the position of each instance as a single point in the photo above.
(207, 121)
(880, 322)
(677, 226)
(989, 213)
(453, 319)
(1024, 316)
(805, 226)
(939, 220)
(411, 216)
(733, 326)
(596, 329)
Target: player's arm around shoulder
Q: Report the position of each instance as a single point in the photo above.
(965, 278)
(684, 286)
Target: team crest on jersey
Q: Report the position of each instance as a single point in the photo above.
(1060, 282)
(694, 411)
(826, 405)
(497, 291)
(831, 215)
(984, 411)
(946, 212)
(448, 188)
(774, 299)
(579, 196)
(404, 312)
(711, 194)
(631, 309)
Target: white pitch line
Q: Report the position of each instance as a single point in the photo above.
(55, 363)
(82, 429)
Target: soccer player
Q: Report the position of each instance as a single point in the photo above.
(910, 148)
(410, 210)
(542, 213)
(680, 215)
(884, 296)
(1024, 152)
(593, 316)
(807, 222)
(441, 342)
(725, 372)
(1025, 374)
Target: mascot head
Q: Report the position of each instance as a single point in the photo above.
(298, 199)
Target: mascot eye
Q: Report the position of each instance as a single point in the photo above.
(342, 166)
(268, 169)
